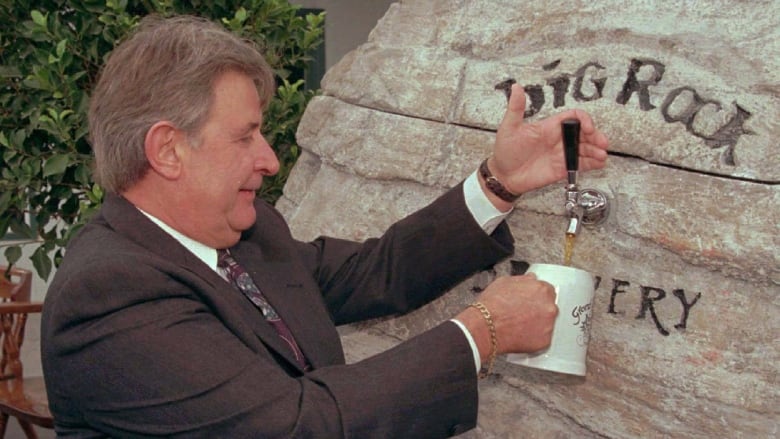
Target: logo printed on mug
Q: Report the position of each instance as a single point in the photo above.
(582, 314)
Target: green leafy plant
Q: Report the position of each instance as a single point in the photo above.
(50, 54)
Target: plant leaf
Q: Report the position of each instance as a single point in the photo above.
(61, 48)
(56, 164)
(41, 262)
(13, 254)
(38, 18)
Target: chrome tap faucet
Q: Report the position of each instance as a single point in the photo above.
(587, 206)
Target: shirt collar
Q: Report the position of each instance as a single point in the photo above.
(203, 252)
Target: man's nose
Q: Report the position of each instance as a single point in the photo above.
(266, 162)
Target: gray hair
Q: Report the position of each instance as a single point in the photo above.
(166, 70)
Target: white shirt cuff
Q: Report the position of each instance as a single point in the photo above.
(474, 350)
(483, 211)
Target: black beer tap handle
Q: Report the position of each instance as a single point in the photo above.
(571, 143)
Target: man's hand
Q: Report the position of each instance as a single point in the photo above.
(529, 155)
(523, 311)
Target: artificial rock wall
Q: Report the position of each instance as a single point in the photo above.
(685, 325)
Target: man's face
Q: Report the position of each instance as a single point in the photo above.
(225, 168)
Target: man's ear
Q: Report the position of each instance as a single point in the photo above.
(161, 149)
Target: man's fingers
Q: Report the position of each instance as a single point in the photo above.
(516, 107)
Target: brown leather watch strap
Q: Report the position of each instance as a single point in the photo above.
(494, 185)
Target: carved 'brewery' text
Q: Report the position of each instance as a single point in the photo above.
(649, 297)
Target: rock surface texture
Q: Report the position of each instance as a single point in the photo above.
(685, 330)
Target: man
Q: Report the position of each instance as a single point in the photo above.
(146, 332)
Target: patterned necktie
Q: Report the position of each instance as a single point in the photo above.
(241, 280)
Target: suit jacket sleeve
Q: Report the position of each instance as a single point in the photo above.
(416, 260)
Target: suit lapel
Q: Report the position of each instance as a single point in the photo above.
(297, 301)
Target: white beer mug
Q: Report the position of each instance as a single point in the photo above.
(574, 290)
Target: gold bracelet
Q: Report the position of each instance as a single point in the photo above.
(485, 371)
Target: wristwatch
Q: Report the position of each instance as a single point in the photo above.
(494, 185)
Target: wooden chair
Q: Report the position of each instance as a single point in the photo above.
(22, 398)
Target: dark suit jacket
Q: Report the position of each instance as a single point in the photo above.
(140, 338)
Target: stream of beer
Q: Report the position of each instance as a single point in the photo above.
(568, 248)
